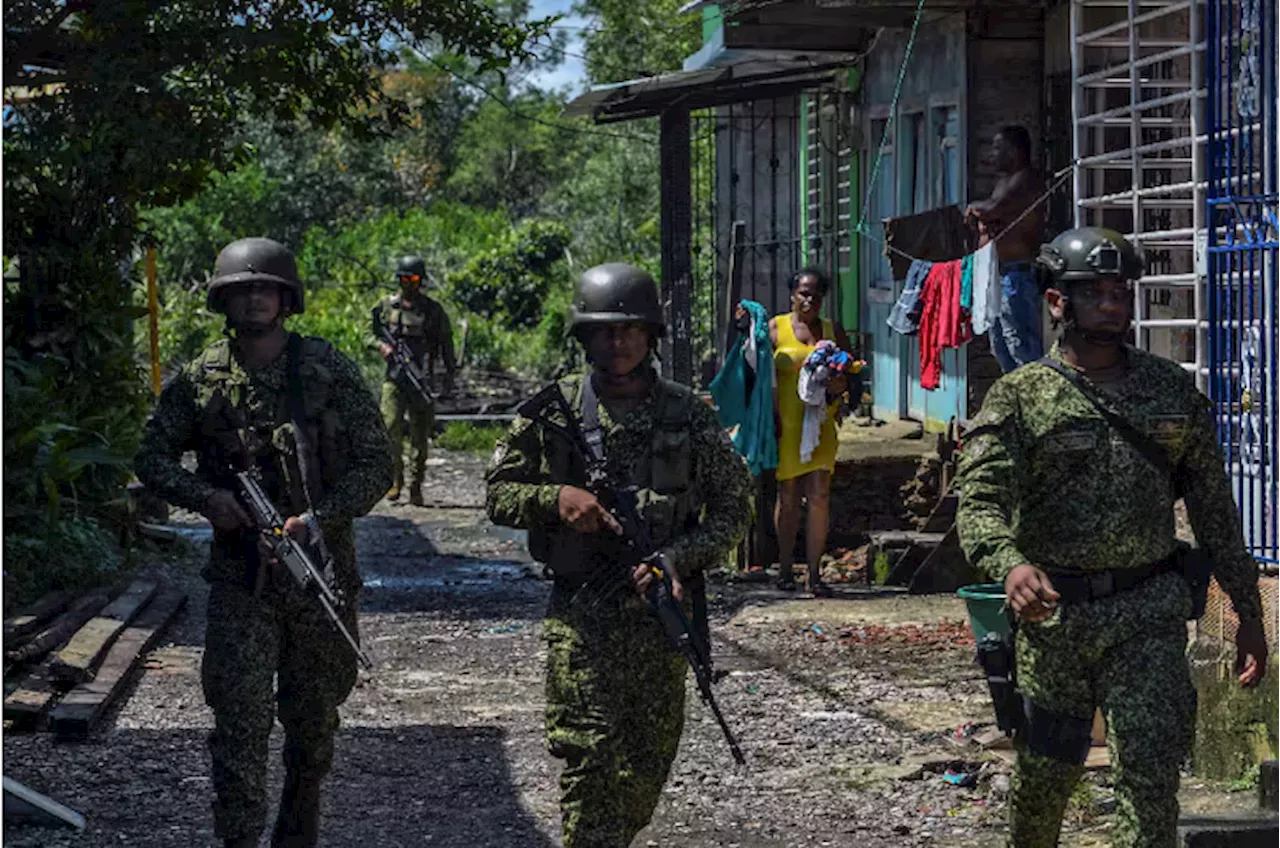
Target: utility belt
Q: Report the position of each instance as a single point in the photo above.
(1059, 736)
(1191, 563)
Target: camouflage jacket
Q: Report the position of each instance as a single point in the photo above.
(525, 476)
(215, 392)
(422, 323)
(1045, 480)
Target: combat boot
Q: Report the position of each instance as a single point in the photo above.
(393, 494)
(298, 822)
(415, 495)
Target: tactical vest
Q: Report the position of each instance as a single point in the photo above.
(668, 500)
(406, 322)
(235, 420)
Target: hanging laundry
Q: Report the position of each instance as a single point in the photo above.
(905, 315)
(939, 320)
(819, 367)
(938, 235)
(743, 392)
(966, 283)
(986, 289)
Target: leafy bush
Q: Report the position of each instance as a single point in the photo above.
(461, 436)
(72, 553)
(511, 282)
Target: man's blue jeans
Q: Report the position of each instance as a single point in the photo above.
(1016, 334)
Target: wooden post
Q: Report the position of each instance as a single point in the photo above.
(677, 235)
(153, 320)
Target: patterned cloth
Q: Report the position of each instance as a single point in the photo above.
(1043, 479)
(250, 640)
(615, 694)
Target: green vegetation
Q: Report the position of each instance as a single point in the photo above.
(476, 438)
(353, 133)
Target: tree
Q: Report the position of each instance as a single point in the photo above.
(125, 104)
(636, 38)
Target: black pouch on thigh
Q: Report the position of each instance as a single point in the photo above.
(1055, 735)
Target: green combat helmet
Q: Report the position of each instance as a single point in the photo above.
(255, 260)
(411, 266)
(615, 293)
(1087, 253)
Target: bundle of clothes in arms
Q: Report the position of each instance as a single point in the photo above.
(825, 362)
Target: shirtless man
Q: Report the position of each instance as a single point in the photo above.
(1016, 334)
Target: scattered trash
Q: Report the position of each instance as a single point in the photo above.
(966, 730)
(823, 715)
(959, 778)
(506, 628)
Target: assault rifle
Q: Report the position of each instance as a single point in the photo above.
(286, 550)
(404, 359)
(621, 502)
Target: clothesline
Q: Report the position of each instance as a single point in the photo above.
(1059, 178)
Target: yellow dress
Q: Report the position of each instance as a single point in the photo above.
(788, 358)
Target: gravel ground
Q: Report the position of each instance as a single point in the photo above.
(844, 708)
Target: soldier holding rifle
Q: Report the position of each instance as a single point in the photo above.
(629, 489)
(282, 426)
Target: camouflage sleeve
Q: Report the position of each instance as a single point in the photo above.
(721, 476)
(171, 429)
(368, 473)
(1214, 517)
(988, 479)
(517, 494)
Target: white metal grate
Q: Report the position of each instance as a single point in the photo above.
(1138, 136)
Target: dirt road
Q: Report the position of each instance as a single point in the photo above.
(844, 708)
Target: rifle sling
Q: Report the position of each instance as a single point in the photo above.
(297, 413)
(1140, 442)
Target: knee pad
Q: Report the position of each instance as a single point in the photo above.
(1055, 735)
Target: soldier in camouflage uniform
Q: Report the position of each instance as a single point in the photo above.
(425, 327)
(1077, 522)
(615, 694)
(231, 406)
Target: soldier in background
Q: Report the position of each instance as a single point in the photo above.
(1068, 480)
(615, 693)
(232, 407)
(424, 325)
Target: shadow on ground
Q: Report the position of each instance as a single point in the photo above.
(154, 791)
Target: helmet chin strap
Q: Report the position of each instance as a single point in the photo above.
(1100, 338)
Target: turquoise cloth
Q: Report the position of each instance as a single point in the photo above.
(966, 283)
(753, 416)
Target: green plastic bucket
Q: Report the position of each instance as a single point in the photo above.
(985, 602)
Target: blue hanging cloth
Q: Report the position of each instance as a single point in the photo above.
(749, 360)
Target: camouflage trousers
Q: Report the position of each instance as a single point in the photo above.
(249, 642)
(1126, 655)
(401, 406)
(615, 712)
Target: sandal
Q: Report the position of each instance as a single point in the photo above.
(786, 584)
(822, 590)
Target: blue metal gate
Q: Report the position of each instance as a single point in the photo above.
(1243, 257)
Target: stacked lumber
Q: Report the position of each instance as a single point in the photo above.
(79, 653)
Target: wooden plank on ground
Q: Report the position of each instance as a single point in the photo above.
(75, 662)
(76, 714)
(27, 623)
(62, 629)
(26, 706)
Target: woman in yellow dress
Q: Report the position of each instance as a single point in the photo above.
(795, 335)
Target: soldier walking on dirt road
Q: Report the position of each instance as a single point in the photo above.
(297, 414)
(615, 693)
(1068, 480)
(423, 325)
